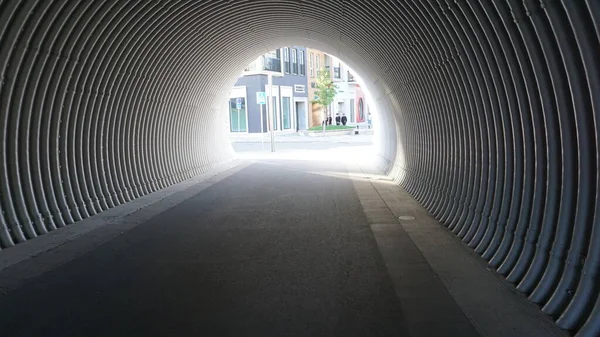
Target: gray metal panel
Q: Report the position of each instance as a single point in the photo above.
(489, 115)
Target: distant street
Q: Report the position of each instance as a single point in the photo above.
(245, 144)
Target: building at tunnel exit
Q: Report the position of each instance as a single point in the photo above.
(288, 97)
(488, 114)
(294, 70)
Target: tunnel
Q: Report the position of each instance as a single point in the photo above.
(488, 115)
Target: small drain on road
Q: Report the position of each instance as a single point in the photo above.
(406, 217)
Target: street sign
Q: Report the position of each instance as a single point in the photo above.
(238, 103)
(261, 97)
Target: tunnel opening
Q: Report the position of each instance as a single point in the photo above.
(275, 107)
(488, 115)
(384, 144)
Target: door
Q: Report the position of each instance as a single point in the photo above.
(301, 116)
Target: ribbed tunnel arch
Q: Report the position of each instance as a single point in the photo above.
(488, 115)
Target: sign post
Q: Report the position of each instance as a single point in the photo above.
(272, 112)
(261, 99)
(238, 106)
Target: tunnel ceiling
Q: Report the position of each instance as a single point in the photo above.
(488, 115)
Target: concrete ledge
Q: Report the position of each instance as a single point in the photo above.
(330, 133)
(429, 309)
(493, 305)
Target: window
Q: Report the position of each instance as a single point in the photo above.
(318, 63)
(301, 61)
(237, 118)
(361, 110)
(311, 63)
(286, 114)
(352, 110)
(275, 114)
(294, 61)
(286, 59)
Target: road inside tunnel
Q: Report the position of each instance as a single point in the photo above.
(277, 248)
(267, 252)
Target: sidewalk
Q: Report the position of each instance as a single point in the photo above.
(298, 138)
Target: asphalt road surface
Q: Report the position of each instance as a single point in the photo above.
(270, 251)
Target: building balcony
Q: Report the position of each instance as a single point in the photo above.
(271, 64)
(351, 78)
(264, 64)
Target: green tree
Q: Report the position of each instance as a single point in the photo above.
(325, 93)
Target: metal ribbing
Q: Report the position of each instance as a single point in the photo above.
(502, 140)
(489, 114)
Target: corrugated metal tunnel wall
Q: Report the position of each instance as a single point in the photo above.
(489, 114)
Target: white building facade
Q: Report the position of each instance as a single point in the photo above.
(350, 100)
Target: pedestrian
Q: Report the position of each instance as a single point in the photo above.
(329, 119)
(344, 119)
(337, 118)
